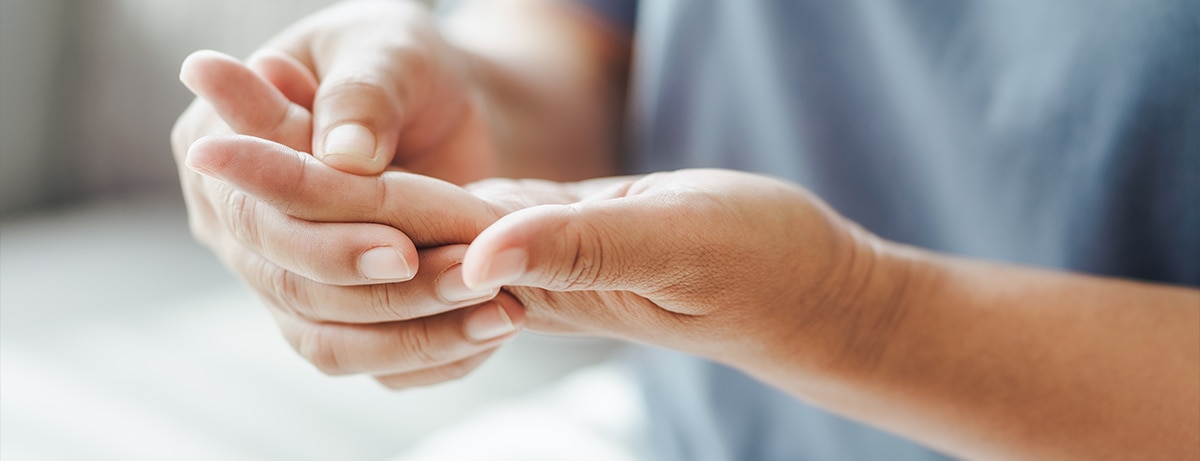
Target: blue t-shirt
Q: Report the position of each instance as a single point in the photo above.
(1062, 134)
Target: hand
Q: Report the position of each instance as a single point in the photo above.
(377, 84)
(288, 208)
(391, 91)
(318, 292)
(729, 265)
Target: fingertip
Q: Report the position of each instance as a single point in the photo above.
(195, 63)
(199, 156)
(512, 308)
(500, 255)
(491, 321)
(356, 117)
(211, 155)
(585, 245)
(496, 269)
(244, 100)
(472, 264)
(476, 257)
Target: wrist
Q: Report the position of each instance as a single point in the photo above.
(890, 278)
(865, 303)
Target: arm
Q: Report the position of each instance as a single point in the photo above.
(1004, 362)
(981, 360)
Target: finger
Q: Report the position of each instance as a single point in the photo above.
(403, 347)
(367, 88)
(357, 120)
(430, 211)
(247, 103)
(286, 73)
(436, 288)
(632, 243)
(328, 253)
(378, 73)
(431, 376)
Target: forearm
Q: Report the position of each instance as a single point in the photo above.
(1002, 362)
(551, 79)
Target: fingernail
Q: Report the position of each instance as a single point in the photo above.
(350, 139)
(505, 267)
(451, 288)
(384, 263)
(489, 322)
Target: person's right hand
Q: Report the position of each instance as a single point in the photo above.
(390, 90)
(300, 231)
(346, 61)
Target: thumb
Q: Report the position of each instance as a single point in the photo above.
(356, 114)
(377, 98)
(615, 244)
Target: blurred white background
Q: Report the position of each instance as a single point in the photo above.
(121, 338)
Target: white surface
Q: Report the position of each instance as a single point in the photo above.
(594, 414)
(122, 340)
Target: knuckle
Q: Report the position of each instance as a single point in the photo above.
(386, 302)
(419, 344)
(317, 345)
(581, 259)
(241, 217)
(407, 74)
(248, 268)
(355, 84)
(289, 293)
(302, 187)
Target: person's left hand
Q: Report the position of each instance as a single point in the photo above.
(728, 265)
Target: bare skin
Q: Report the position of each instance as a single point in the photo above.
(976, 359)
